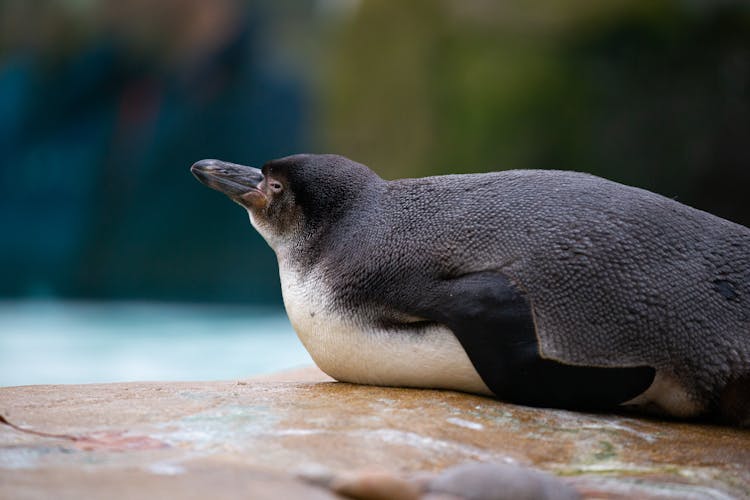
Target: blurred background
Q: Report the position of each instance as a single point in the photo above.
(104, 105)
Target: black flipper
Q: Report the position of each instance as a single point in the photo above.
(492, 320)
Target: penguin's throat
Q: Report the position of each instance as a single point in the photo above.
(267, 230)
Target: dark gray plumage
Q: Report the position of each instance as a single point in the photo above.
(610, 275)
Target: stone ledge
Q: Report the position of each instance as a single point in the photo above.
(222, 439)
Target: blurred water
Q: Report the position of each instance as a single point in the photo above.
(71, 342)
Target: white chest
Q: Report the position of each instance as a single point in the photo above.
(350, 351)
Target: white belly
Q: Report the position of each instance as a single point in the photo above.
(350, 351)
(667, 396)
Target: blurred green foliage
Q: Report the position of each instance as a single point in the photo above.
(105, 104)
(651, 93)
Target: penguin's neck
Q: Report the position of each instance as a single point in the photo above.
(351, 348)
(303, 249)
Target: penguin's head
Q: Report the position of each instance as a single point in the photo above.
(294, 197)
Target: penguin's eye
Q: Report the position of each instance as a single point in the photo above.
(275, 186)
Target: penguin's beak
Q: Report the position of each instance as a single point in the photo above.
(238, 182)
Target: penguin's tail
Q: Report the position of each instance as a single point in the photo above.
(734, 402)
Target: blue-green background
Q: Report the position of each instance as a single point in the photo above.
(105, 104)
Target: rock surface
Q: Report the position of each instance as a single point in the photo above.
(255, 438)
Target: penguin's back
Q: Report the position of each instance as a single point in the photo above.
(616, 275)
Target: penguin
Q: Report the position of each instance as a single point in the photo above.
(545, 288)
